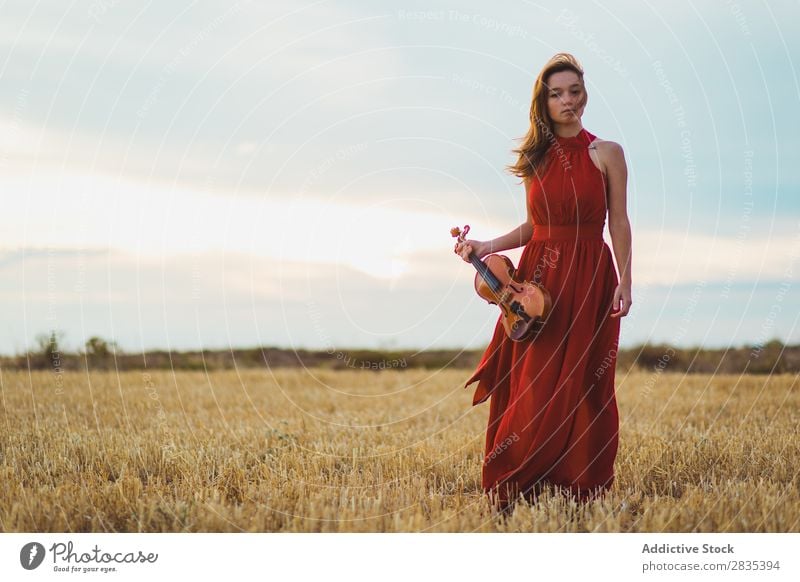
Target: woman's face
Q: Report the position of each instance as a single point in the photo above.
(565, 97)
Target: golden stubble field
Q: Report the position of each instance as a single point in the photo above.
(316, 450)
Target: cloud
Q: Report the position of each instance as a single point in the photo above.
(383, 238)
(217, 300)
(666, 258)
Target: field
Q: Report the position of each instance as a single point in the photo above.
(319, 450)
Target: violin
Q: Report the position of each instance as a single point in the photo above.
(525, 305)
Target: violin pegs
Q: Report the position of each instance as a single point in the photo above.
(455, 231)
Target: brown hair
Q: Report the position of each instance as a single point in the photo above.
(536, 143)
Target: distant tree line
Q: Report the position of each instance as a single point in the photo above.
(97, 353)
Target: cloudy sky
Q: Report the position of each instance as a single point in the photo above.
(211, 174)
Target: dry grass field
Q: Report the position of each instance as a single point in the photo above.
(314, 450)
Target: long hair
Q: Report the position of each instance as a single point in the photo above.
(532, 153)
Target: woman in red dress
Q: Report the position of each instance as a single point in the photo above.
(553, 412)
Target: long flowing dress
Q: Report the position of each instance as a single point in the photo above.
(553, 412)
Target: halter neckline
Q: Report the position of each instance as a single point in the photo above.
(573, 137)
(577, 141)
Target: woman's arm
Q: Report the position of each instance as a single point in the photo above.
(518, 237)
(618, 224)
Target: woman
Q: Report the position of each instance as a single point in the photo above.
(553, 412)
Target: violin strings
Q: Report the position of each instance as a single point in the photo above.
(492, 281)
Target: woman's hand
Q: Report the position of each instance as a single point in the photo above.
(480, 248)
(622, 298)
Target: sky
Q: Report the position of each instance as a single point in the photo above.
(186, 175)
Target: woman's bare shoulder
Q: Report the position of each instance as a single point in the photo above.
(609, 154)
(606, 146)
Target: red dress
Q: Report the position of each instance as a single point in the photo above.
(553, 411)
